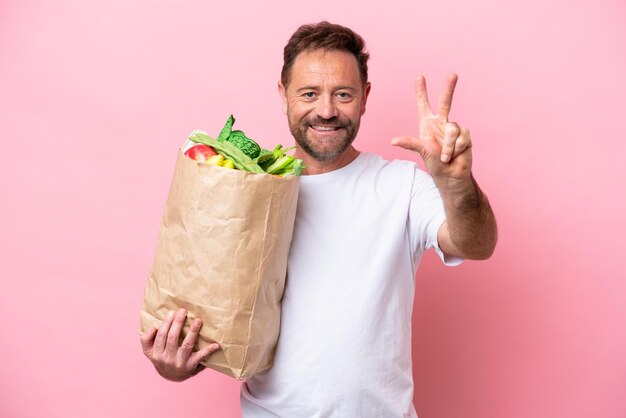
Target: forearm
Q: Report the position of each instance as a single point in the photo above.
(471, 227)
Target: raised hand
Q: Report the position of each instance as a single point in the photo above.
(444, 146)
(470, 229)
(172, 361)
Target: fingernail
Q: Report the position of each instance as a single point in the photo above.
(445, 158)
(170, 315)
(214, 347)
(182, 312)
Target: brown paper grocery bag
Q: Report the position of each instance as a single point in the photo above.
(222, 255)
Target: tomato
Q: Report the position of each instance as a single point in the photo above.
(200, 152)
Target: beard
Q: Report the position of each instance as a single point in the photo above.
(327, 148)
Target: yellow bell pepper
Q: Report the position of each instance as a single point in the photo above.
(215, 160)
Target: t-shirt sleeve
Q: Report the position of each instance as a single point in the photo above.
(426, 215)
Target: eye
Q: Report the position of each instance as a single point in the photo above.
(344, 96)
(309, 95)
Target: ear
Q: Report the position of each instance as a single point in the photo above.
(366, 92)
(282, 91)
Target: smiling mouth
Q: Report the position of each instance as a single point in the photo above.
(324, 128)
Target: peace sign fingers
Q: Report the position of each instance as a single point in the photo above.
(445, 99)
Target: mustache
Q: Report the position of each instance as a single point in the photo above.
(334, 122)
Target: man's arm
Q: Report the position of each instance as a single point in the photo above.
(470, 228)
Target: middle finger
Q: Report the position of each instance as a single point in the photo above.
(445, 99)
(190, 339)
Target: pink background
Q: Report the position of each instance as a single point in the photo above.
(95, 98)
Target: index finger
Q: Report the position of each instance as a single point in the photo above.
(164, 329)
(445, 99)
(423, 107)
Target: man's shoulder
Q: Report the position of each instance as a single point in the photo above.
(392, 166)
(395, 174)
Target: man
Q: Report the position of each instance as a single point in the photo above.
(361, 227)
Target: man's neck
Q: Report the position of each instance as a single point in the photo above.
(312, 166)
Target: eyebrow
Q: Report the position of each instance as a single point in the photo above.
(317, 88)
(306, 88)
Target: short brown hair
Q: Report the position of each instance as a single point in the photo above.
(327, 36)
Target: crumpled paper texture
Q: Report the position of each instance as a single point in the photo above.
(222, 254)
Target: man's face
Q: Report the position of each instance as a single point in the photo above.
(324, 101)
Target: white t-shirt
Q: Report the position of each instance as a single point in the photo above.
(345, 342)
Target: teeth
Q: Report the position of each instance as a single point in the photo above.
(324, 128)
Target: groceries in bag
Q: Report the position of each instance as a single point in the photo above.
(233, 149)
(223, 246)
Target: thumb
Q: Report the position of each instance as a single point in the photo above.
(408, 142)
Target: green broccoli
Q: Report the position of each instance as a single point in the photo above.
(245, 144)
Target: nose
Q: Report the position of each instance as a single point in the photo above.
(326, 108)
